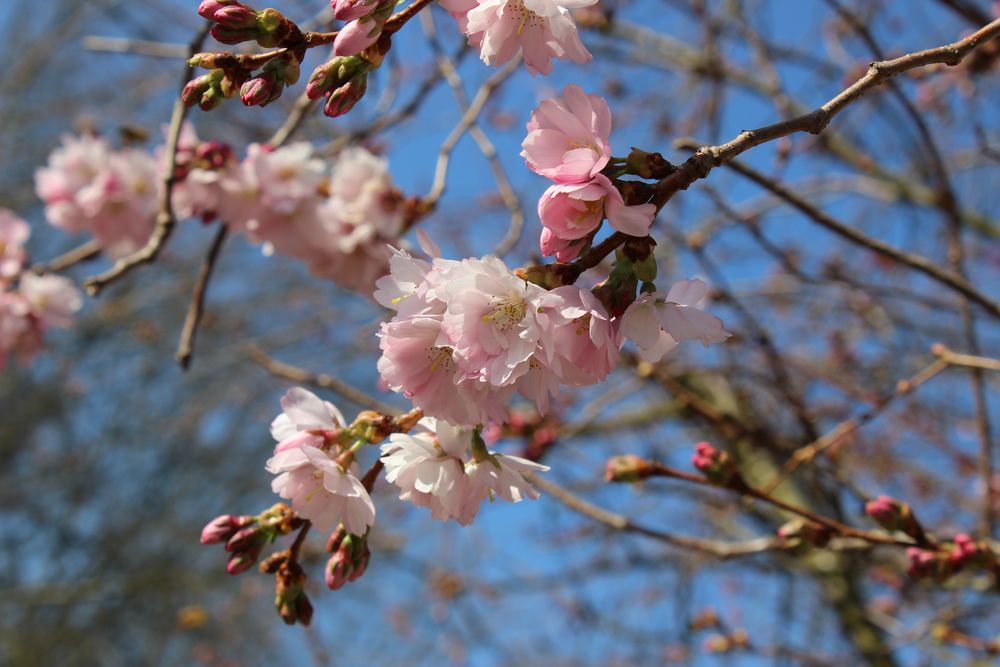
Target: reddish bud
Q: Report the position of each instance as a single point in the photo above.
(220, 529)
(892, 514)
(236, 17)
(259, 90)
(242, 561)
(715, 465)
(923, 563)
(346, 96)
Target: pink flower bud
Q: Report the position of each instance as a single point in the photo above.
(349, 10)
(715, 465)
(965, 551)
(230, 36)
(258, 91)
(346, 96)
(338, 571)
(236, 18)
(219, 529)
(356, 36)
(892, 514)
(195, 89)
(923, 563)
(242, 561)
(207, 8)
(244, 539)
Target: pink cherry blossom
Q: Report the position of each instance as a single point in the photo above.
(493, 319)
(656, 323)
(568, 137)
(320, 490)
(540, 29)
(501, 476)
(429, 470)
(14, 233)
(571, 211)
(306, 419)
(587, 344)
(110, 194)
(54, 300)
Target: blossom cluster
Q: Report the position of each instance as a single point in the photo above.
(111, 194)
(538, 29)
(336, 221)
(29, 303)
(568, 143)
(467, 335)
(445, 468)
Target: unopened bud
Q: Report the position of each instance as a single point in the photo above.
(344, 97)
(923, 563)
(349, 560)
(801, 533)
(628, 468)
(259, 90)
(715, 465)
(289, 595)
(348, 10)
(222, 528)
(242, 561)
(647, 165)
(236, 17)
(892, 514)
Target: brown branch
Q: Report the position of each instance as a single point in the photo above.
(165, 219)
(843, 429)
(322, 380)
(185, 348)
(699, 165)
(82, 253)
(916, 262)
(718, 549)
(967, 360)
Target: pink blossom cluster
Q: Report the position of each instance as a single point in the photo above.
(287, 199)
(467, 335)
(29, 303)
(449, 470)
(319, 487)
(111, 194)
(568, 143)
(539, 29)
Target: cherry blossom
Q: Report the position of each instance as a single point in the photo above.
(657, 322)
(110, 194)
(320, 489)
(568, 137)
(14, 234)
(540, 29)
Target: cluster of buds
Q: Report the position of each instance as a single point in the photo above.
(290, 597)
(267, 86)
(366, 19)
(716, 466)
(349, 560)
(343, 81)
(245, 536)
(894, 515)
(236, 23)
(942, 563)
(208, 90)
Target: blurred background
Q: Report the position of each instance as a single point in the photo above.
(112, 458)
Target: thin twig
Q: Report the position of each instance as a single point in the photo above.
(322, 380)
(707, 158)
(913, 261)
(165, 219)
(82, 253)
(185, 348)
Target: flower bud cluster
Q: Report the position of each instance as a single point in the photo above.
(245, 536)
(940, 564)
(287, 199)
(349, 560)
(30, 304)
(343, 81)
(365, 21)
(112, 194)
(716, 465)
(236, 22)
